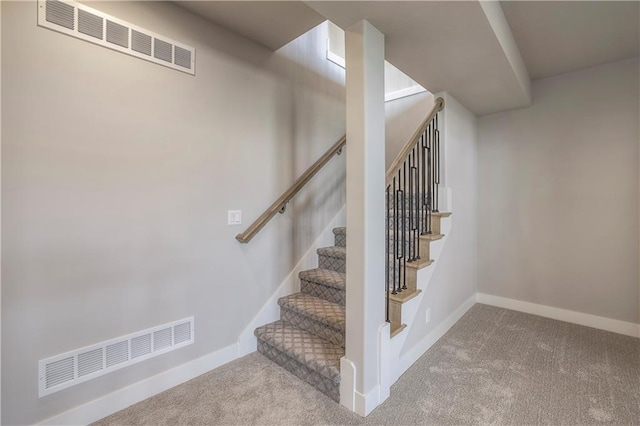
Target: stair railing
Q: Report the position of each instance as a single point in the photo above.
(412, 183)
(280, 205)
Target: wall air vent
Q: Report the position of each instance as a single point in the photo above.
(71, 368)
(80, 21)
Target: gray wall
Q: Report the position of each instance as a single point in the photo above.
(558, 195)
(403, 116)
(116, 177)
(454, 278)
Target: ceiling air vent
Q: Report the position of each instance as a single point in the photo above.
(71, 368)
(80, 21)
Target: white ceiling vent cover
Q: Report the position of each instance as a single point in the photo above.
(65, 370)
(80, 21)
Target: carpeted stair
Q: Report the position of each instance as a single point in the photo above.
(308, 340)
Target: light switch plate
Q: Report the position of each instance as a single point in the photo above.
(234, 217)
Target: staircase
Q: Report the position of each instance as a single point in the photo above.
(309, 338)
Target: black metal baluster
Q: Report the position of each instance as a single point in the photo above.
(436, 135)
(429, 179)
(420, 190)
(414, 237)
(388, 254)
(404, 225)
(395, 234)
(398, 236)
(423, 230)
(410, 235)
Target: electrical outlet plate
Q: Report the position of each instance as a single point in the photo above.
(234, 217)
(428, 315)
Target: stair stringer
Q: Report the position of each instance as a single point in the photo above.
(410, 308)
(270, 311)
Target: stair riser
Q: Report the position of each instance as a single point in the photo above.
(332, 263)
(314, 327)
(435, 224)
(423, 245)
(340, 240)
(411, 280)
(324, 292)
(329, 387)
(395, 313)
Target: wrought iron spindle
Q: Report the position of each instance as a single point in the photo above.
(404, 226)
(429, 198)
(387, 252)
(436, 160)
(411, 198)
(415, 243)
(395, 235)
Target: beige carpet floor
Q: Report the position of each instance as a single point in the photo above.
(494, 366)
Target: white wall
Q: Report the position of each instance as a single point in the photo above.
(454, 279)
(403, 116)
(116, 177)
(558, 195)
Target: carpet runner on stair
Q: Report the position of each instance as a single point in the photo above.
(308, 340)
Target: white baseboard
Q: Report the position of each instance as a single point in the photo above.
(412, 355)
(594, 321)
(347, 384)
(123, 398)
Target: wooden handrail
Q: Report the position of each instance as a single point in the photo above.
(399, 161)
(281, 203)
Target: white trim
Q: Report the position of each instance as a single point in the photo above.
(139, 391)
(336, 59)
(270, 311)
(403, 93)
(602, 323)
(347, 383)
(413, 354)
(365, 404)
(385, 361)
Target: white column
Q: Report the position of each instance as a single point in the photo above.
(360, 370)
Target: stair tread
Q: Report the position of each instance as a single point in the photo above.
(397, 329)
(341, 230)
(325, 277)
(404, 296)
(419, 264)
(315, 308)
(333, 251)
(314, 352)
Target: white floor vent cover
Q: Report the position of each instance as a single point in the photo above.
(80, 21)
(61, 371)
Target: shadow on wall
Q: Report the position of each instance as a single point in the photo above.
(403, 116)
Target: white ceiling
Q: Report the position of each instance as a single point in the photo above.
(555, 37)
(270, 23)
(463, 47)
(448, 46)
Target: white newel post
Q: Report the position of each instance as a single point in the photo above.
(361, 369)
